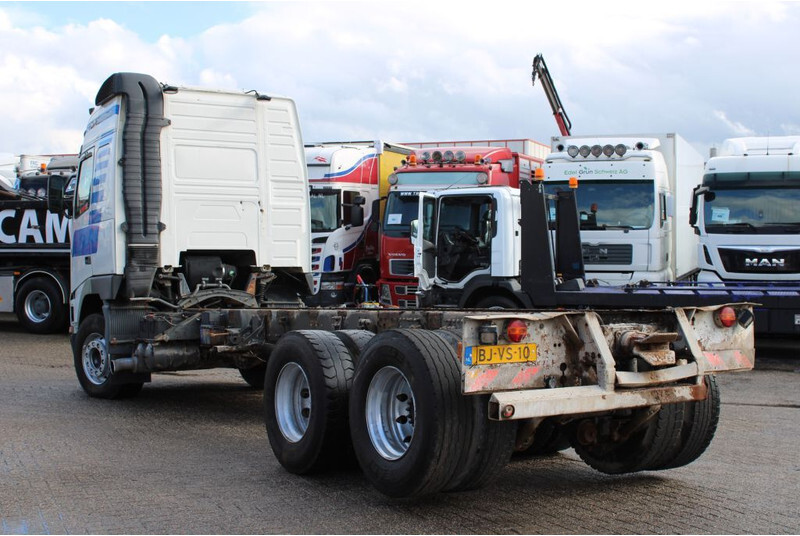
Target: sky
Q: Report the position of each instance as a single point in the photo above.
(417, 71)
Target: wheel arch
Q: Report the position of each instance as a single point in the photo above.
(53, 275)
(481, 288)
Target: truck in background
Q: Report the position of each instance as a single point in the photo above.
(442, 165)
(745, 213)
(34, 261)
(193, 273)
(347, 179)
(634, 200)
(34, 170)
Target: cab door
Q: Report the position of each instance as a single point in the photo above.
(85, 230)
(423, 236)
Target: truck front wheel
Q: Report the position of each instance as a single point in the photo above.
(39, 306)
(306, 388)
(93, 362)
(407, 414)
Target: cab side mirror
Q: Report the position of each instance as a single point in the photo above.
(357, 215)
(56, 184)
(705, 191)
(414, 227)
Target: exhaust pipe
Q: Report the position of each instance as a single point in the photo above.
(149, 358)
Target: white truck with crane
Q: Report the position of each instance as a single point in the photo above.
(745, 214)
(634, 203)
(183, 261)
(635, 193)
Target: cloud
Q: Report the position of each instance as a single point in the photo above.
(735, 127)
(431, 71)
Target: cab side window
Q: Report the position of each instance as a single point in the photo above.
(83, 191)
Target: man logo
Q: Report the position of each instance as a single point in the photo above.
(765, 263)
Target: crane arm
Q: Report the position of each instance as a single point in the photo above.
(540, 70)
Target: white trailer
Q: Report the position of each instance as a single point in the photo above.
(634, 197)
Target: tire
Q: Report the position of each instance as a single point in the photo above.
(254, 376)
(700, 421)
(308, 377)
(488, 449)
(39, 306)
(646, 447)
(407, 415)
(355, 340)
(93, 362)
(548, 438)
(489, 444)
(495, 301)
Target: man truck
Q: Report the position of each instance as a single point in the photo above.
(191, 250)
(347, 180)
(745, 214)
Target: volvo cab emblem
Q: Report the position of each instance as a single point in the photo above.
(764, 263)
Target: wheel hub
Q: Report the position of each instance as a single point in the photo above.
(96, 364)
(37, 306)
(390, 413)
(292, 402)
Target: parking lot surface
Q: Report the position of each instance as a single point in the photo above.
(190, 455)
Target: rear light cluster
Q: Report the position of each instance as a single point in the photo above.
(726, 317)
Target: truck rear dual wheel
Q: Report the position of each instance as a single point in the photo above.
(489, 445)
(407, 414)
(355, 340)
(700, 421)
(605, 445)
(39, 306)
(307, 382)
(488, 448)
(93, 362)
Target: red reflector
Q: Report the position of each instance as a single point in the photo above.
(516, 330)
(726, 316)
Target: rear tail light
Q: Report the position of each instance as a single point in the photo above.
(516, 330)
(725, 317)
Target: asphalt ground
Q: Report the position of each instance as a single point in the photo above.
(190, 455)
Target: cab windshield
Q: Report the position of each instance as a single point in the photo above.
(324, 210)
(610, 204)
(401, 208)
(752, 210)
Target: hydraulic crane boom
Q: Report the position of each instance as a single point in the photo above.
(540, 69)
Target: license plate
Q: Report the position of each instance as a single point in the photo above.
(498, 354)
